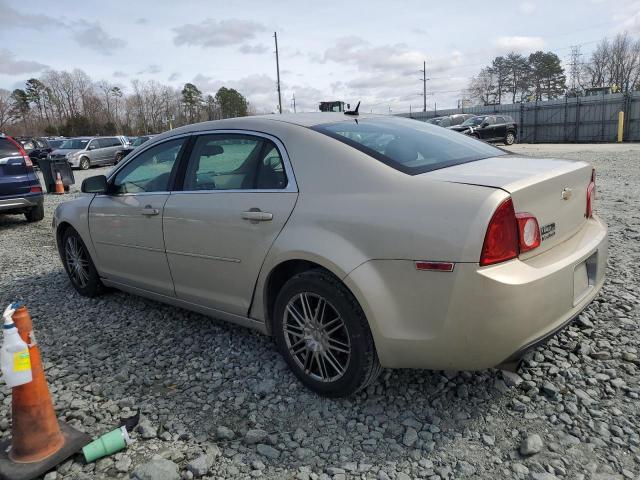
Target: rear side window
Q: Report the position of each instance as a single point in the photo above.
(234, 162)
(8, 149)
(409, 146)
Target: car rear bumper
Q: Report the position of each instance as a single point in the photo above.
(20, 202)
(478, 317)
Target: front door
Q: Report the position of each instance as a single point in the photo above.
(237, 195)
(126, 224)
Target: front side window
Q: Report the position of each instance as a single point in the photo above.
(409, 146)
(150, 171)
(234, 162)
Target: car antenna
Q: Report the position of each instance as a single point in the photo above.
(353, 112)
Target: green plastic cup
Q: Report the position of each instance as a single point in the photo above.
(107, 444)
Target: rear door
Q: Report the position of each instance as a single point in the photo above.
(114, 144)
(126, 224)
(500, 128)
(237, 195)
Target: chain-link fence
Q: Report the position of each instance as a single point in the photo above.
(576, 119)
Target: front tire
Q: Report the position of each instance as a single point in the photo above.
(118, 158)
(79, 266)
(35, 214)
(510, 138)
(84, 163)
(323, 335)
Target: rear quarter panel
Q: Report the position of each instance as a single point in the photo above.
(352, 209)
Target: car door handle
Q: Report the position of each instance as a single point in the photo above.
(149, 211)
(257, 215)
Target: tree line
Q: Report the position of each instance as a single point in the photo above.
(515, 78)
(72, 104)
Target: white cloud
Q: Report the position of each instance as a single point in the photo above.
(527, 7)
(150, 69)
(519, 44)
(174, 76)
(214, 33)
(120, 74)
(96, 38)
(253, 49)
(10, 66)
(12, 18)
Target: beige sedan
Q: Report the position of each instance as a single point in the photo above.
(358, 242)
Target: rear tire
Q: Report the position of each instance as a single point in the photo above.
(35, 214)
(324, 336)
(79, 266)
(510, 138)
(84, 163)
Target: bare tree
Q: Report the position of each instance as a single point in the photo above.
(6, 108)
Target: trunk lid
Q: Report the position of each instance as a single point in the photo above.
(554, 191)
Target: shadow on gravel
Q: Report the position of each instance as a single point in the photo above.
(192, 374)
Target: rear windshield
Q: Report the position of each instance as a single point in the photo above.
(74, 144)
(8, 149)
(410, 146)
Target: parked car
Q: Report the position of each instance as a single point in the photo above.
(134, 142)
(450, 120)
(83, 152)
(357, 242)
(38, 147)
(20, 189)
(491, 128)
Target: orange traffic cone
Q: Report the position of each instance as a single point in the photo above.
(39, 442)
(59, 185)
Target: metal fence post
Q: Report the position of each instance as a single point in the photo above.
(521, 122)
(577, 129)
(566, 107)
(535, 122)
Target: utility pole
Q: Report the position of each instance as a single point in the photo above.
(294, 102)
(424, 86)
(275, 36)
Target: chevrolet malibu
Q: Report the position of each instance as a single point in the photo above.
(358, 242)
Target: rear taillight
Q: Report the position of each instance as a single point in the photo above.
(528, 231)
(591, 194)
(501, 239)
(36, 189)
(27, 160)
(509, 234)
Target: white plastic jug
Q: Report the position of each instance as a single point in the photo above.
(15, 361)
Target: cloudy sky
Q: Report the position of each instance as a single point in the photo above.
(349, 50)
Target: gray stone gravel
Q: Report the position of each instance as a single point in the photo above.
(217, 400)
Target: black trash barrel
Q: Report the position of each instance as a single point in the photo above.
(50, 169)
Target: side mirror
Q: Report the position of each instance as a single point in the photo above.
(97, 184)
(484, 124)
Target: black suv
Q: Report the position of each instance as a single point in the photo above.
(491, 128)
(38, 147)
(20, 190)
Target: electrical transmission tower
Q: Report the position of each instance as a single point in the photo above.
(574, 71)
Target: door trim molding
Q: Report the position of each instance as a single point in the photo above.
(139, 247)
(207, 257)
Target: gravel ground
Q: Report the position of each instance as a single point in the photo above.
(217, 400)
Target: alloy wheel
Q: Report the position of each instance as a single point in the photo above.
(316, 337)
(77, 261)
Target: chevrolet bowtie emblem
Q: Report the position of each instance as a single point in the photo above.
(566, 193)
